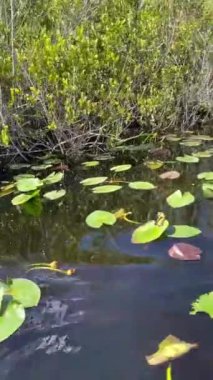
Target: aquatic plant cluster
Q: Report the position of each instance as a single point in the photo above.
(82, 74)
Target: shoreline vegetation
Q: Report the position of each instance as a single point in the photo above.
(93, 75)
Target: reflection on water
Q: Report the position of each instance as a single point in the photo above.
(102, 322)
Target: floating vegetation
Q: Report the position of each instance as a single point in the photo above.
(55, 194)
(207, 176)
(93, 181)
(53, 266)
(89, 164)
(141, 185)
(188, 159)
(183, 231)
(204, 304)
(207, 188)
(106, 189)
(121, 168)
(172, 174)
(179, 199)
(100, 217)
(184, 251)
(191, 143)
(23, 198)
(169, 349)
(154, 165)
(150, 231)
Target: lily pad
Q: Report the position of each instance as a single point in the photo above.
(55, 194)
(12, 318)
(89, 164)
(184, 251)
(53, 178)
(140, 185)
(173, 138)
(154, 165)
(169, 349)
(99, 217)
(23, 198)
(207, 188)
(93, 181)
(188, 159)
(19, 166)
(106, 189)
(148, 232)
(208, 176)
(6, 190)
(172, 174)
(28, 184)
(203, 154)
(121, 168)
(202, 137)
(204, 304)
(183, 231)
(191, 143)
(41, 167)
(23, 175)
(179, 199)
(24, 291)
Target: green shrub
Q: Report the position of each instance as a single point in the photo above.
(86, 70)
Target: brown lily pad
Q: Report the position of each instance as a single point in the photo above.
(173, 174)
(185, 252)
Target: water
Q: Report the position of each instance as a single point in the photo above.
(124, 299)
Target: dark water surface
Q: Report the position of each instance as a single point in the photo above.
(124, 299)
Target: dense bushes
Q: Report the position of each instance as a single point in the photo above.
(75, 74)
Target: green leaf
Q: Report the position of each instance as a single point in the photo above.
(154, 165)
(188, 159)
(28, 184)
(93, 181)
(99, 217)
(191, 143)
(25, 291)
(169, 349)
(11, 320)
(204, 304)
(41, 167)
(202, 137)
(55, 194)
(53, 178)
(22, 176)
(207, 188)
(203, 154)
(140, 185)
(208, 176)
(179, 199)
(88, 164)
(1, 293)
(6, 190)
(184, 231)
(19, 166)
(23, 198)
(121, 168)
(106, 189)
(173, 138)
(148, 232)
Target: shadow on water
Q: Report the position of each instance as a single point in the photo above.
(125, 298)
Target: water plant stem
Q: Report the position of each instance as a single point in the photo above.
(169, 372)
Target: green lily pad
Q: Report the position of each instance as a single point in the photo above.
(41, 167)
(208, 176)
(204, 304)
(184, 231)
(23, 198)
(106, 189)
(28, 184)
(188, 159)
(12, 318)
(169, 349)
(53, 178)
(154, 165)
(99, 217)
(191, 143)
(173, 138)
(93, 181)
(19, 166)
(202, 137)
(140, 185)
(121, 168)
(6, 190)
(24, 291)
(207, 188)
(179, 199)
(23, 175)
(148, 232)
(89, 164)
(202, 154)
(55, 194)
